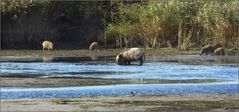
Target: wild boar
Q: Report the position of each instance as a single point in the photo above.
(209, 49)
(133, 54)
(48, 45)
(219, 51)
(94, 46)
(205, 50)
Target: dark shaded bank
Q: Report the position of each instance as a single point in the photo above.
(68, 24)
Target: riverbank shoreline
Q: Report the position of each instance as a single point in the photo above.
(103, 52)
(87, 53)
(138, 103)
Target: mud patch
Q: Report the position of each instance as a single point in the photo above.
(74, 81)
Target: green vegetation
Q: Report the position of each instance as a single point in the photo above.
(181, 24)
(176, 23)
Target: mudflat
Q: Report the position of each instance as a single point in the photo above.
(146, 103)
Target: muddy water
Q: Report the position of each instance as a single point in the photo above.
(159, 75)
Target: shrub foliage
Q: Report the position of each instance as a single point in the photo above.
(180, 24)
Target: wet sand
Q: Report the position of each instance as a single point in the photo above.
(152, 103)
(66, 82)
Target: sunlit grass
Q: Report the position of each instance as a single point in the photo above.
(183, 23)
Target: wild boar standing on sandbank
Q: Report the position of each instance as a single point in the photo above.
(48, 45)
(94, 46)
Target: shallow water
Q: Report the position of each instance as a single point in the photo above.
(222, 71)
(137, 89)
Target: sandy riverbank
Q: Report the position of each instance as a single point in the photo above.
(87, 53)
(154, 103)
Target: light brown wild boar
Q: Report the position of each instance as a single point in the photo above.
(133, 54)
(48, 45)
(219, 51)
(94, 46)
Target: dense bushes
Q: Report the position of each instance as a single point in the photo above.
(177, 23)
(152, 24)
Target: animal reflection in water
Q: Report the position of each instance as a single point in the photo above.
(47, 59)
(132, 54)
(94, 57)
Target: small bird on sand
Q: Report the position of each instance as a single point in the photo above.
(132, 92)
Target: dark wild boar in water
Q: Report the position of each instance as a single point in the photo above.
(209, 49)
